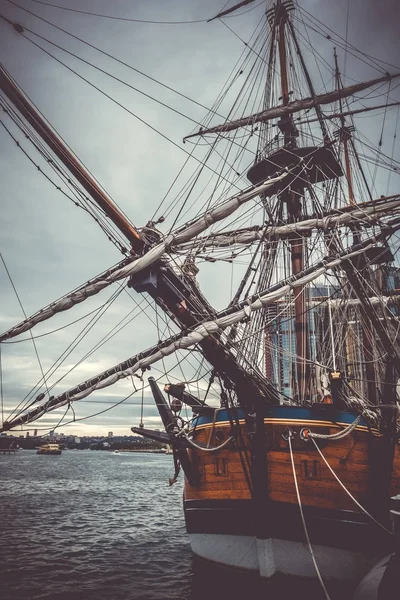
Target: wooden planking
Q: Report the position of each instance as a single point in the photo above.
(194, 494)
(210, 476)
(234, 468)
(395, 487)
(335, 450)
(281, 482)
(321, 487)
(319, 473)
(348, 459)
(281, 459)
(223, 485)
(332, 501)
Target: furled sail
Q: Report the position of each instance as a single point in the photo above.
(134, 266)
(223, 13)
(294, 107)
(348, 113)
(221, 321)
(364, 214)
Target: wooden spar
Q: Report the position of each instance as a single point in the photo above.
(21, 103)
(345, 138)
(347, 113)
(294, 107)
(339, 257)
(169, 423)
(178, 391)
(327, 220)
(229, 10)
(366, 331)
(293, 201)
(320, 116)
(283, 61)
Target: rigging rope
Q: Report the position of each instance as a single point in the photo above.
(24, 313)
(185, 116)
(203, 448)
(115, 58)
(36, 337)
(56, 167)
(381, 138)
(64, 355)
(393, 147)
(346, 490)
(154, 254)
(228, 153)
(114, 404)
(189, 154)
(374, 61)
(220, 321)
(307, 433)
(303, 519)
(85, 12)
(141, 405)
(40, 143)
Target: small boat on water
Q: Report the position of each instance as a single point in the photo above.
(49, 449)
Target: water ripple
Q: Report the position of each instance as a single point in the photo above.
(98, 526)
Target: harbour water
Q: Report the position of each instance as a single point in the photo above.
(102, 526)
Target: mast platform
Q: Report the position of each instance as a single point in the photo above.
(320, 163)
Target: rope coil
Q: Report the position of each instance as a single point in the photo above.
(306, 434)
(202, 448)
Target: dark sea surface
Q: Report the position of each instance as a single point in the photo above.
(100, 526)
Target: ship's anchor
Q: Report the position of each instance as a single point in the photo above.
(177, 465)
(173, 425)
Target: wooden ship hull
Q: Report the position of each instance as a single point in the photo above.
(295, 472)
(225, 525)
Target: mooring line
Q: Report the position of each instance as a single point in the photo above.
(304, 521)
(347, 491)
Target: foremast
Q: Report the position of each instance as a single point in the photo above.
(315, 164)
(278, 17)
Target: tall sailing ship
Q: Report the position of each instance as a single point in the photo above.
(289, 445)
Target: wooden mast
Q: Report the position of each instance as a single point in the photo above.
(367, 336)
(345, 137)
(292, 197)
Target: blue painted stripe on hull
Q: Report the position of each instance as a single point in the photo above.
(285, 412)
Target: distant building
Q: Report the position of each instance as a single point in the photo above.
(391, 278)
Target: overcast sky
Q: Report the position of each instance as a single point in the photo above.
(49, 245)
